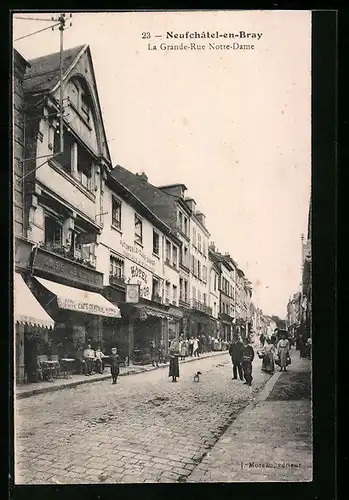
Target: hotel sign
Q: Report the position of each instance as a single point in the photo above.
(135, 253)
(63, 268)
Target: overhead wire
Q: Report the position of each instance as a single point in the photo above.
(35, 32)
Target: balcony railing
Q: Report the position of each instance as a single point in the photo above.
(116, 279)
(200, 306)
(68, 254)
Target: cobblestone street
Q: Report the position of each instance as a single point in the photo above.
(144, 429)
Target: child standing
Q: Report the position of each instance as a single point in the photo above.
(114, 364)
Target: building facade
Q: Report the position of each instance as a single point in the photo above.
(64, 199)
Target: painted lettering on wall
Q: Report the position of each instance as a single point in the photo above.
(136, 253)
(137, 272)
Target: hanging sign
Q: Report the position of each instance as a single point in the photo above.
(132, 293)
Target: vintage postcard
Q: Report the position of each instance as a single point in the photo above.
(162, 247)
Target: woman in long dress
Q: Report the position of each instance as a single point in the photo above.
(268, 365)
(283, 350)
(174, 366)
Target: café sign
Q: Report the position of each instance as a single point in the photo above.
(87, 307)
(61, 267)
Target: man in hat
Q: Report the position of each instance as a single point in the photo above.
(114, 364)
(247, 358)
(236, 352)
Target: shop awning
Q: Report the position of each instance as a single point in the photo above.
(75, 299)
(27, 309)
(151, 311)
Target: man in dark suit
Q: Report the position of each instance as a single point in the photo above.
(236, 352)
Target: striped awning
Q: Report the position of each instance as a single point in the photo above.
(27, 309)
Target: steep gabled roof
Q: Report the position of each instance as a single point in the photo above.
(44, 72)
(159, 202)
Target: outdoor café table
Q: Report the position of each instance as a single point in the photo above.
(65, 363)
(49, 369)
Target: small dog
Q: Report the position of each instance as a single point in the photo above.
(197, 376)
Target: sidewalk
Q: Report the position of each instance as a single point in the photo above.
(25, 391)
(271, 440)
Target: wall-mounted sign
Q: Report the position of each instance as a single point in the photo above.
(132, 293)
(61, 267)
(136, 254)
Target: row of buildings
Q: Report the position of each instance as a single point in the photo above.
(102, 256)
(299, 307)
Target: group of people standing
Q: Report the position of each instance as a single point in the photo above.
(242, 355)
(274, 351)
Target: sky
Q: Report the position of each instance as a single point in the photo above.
(234, 126)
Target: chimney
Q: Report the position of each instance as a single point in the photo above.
(212, 246)
(201, 217)
(191, 203)
(143, 176)
(227, 254)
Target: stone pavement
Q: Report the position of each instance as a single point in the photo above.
(27, 390)
(144, 429)
(271, 440)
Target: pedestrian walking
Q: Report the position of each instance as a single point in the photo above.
(262, 339)
(174, 366)
(191, 346)
(236, 352)
(184, 349)
(195, 347)
(268, 351)
(283, 350)
(114, 364)
(154, 352)
(162, 352)
(247, 358)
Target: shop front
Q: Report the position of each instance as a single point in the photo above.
(198, 323)
(225, 327)
(71, 294)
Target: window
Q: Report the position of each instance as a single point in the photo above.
(116, 267)
(205, 298)
(116, 212)
(180, 221)
(199, 269)
(156, 243)
(194, 293)
(174, 256)
(53, 232)
(194, 237)
(85, 108)
(185, 226)
(204, 247)
(168, 252)
(64, 159)
(74, 94)
(186, 256)
(199, 242)
(204, 273)
(215, 282)
(138, 230)
(174, 294)
(156, 289)
(167, 292)
(181, 289)
(185, 291)
(193, 264)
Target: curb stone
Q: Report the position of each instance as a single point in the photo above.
(53, 388)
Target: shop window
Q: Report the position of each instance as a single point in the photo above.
(156, 243)
(138, 230)
(116, 269)
(168, 252)
(116, 212)
(174, 256)
(53, 232)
